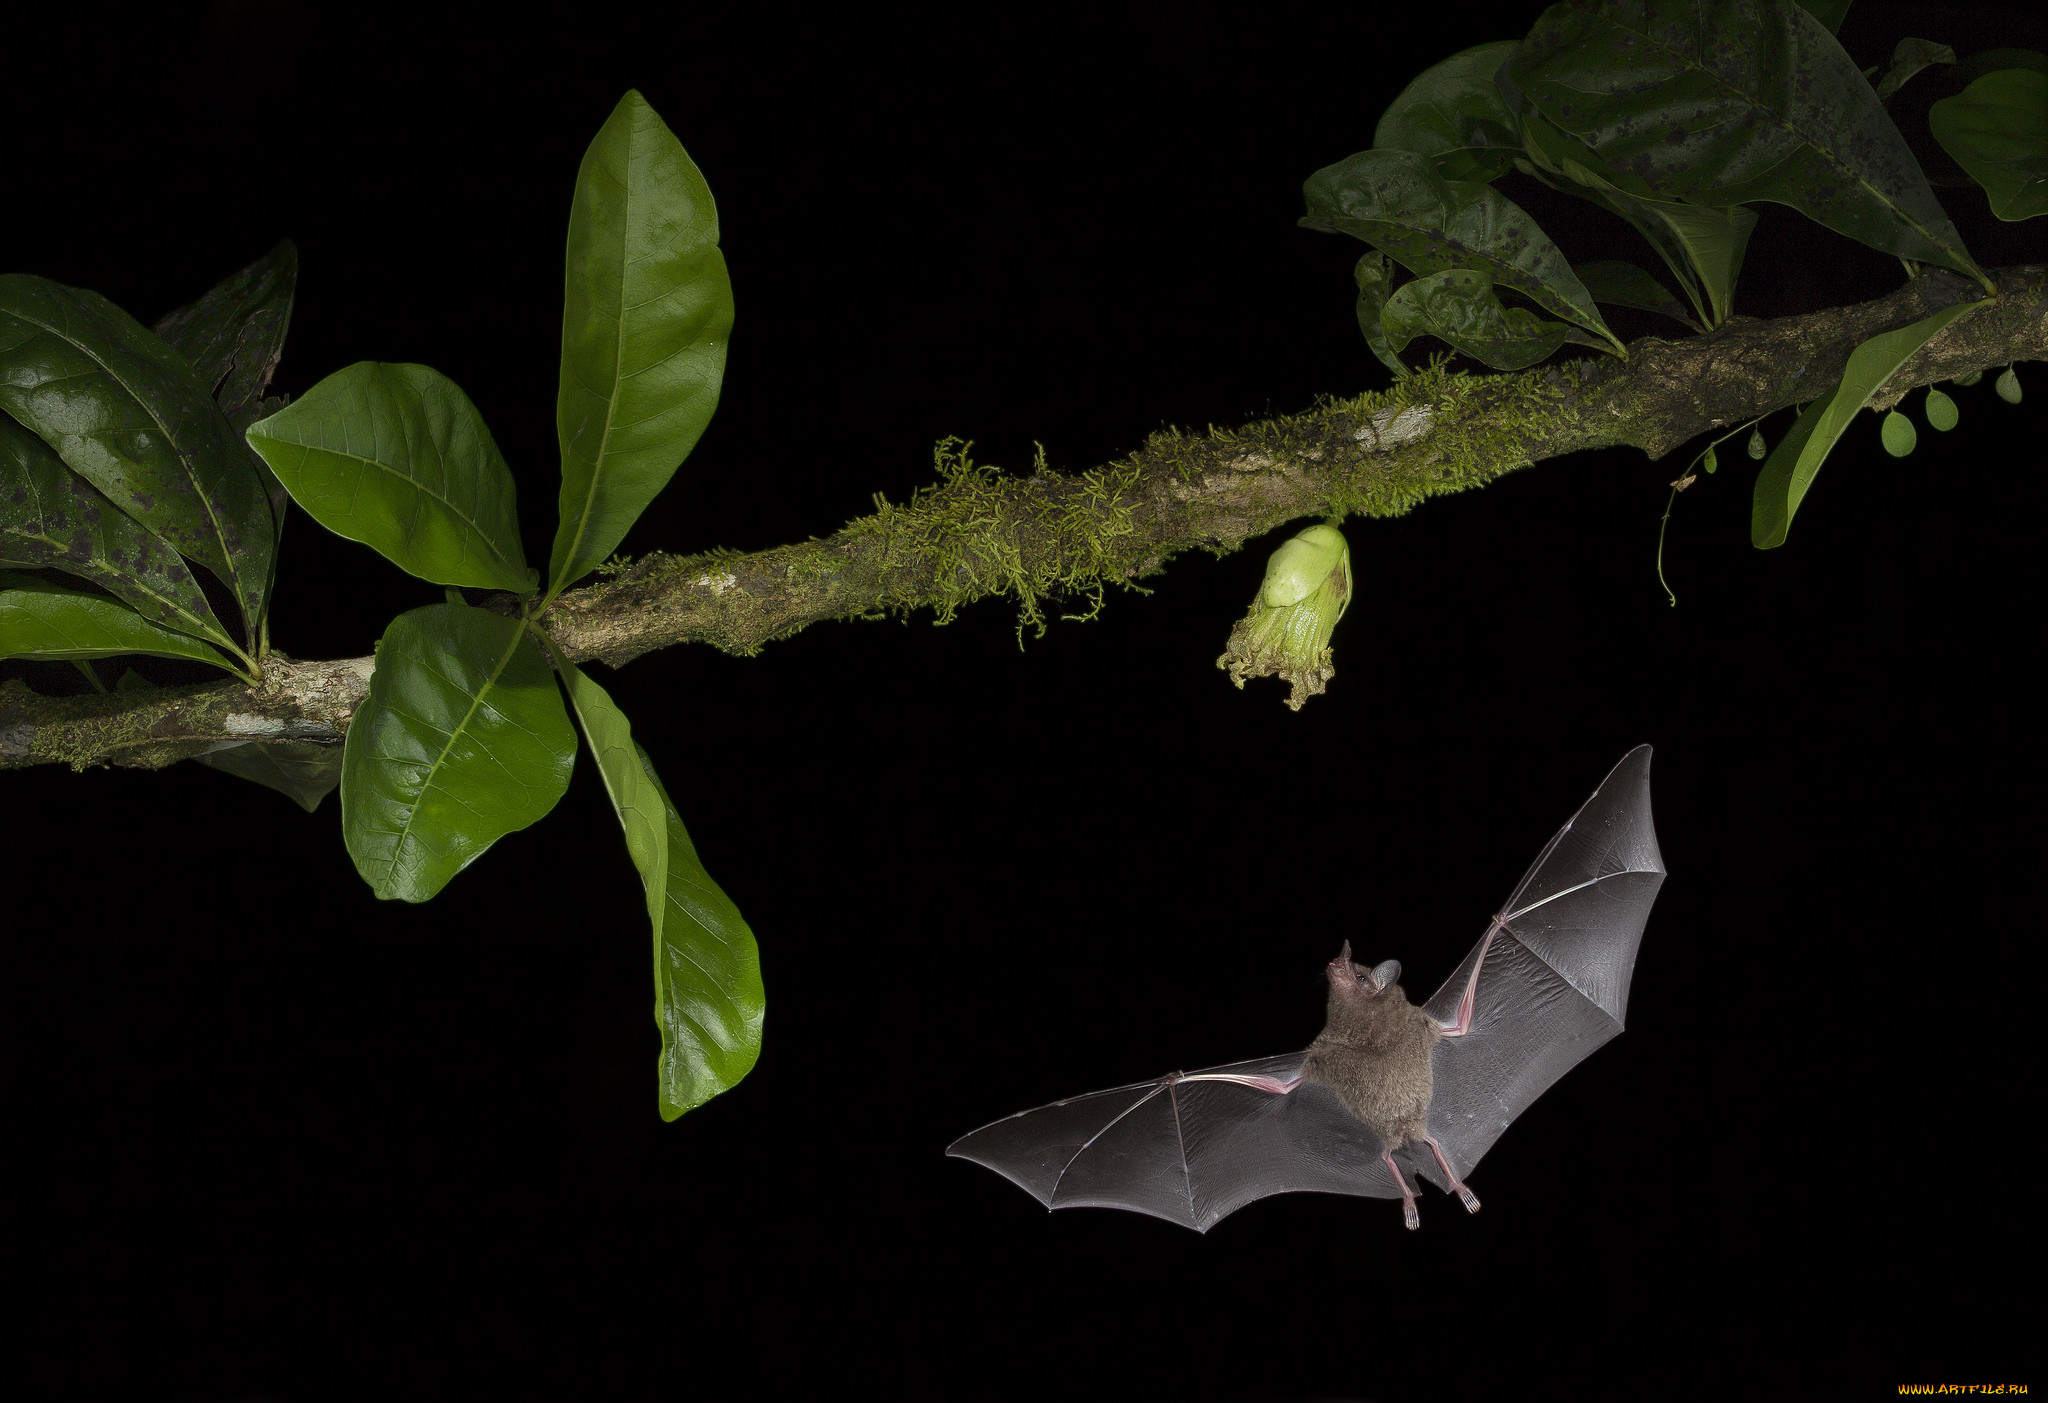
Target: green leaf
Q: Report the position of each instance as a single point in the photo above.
(2008, 386)
(1374, 278)
(644, 327)
(299, 770)
(1710, 460)
(708, 995)
(396, 456)
(461, 740)
(126, 413)
(1899, 435)
(1830, 13)
(1395, 201)
(1625, 285)
(1790, 470)
(1454, 114)
(1941, 411)
(1727, 102)
(1757, 446)
(52, 519)
(1459, 307)
(708, 1000)
(1997, 130)
(1909, 58)
(41, 620)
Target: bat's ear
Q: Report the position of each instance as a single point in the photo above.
(1385, 973)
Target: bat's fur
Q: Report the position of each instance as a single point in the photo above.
(1374, 1053)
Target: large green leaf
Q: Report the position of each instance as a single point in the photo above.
(1625, 285)
(50, 518)
(1726, 102)
(300, 770)
(708, 1001)
(461, 740)
(1790, 470)
(1395, 201)
(396, 456)
(1459, 307)
(126, 412)
(41, 620)
(645, 318)
(1453, 114)
(1997, 130)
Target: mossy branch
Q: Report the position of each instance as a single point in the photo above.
(1051, 540)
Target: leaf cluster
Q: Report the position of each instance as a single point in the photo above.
(1675, 117)
(126, 461)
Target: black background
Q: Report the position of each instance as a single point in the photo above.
(273, 1139)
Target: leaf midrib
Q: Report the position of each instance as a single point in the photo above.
(611, 401)
(419, 487)
(476, 700)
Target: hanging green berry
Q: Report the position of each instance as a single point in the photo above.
(1710, 462)
(1756, 444)
(1965, 381)
(1941, 411)
(1899, 434)
(2009, 387)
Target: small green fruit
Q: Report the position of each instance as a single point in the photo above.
(1899, 434)
(1965, 381)
(1941, 411)
(1756, 444)
(1710, 462)
(2009, 387)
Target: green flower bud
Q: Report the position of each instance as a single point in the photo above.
(1287, 632)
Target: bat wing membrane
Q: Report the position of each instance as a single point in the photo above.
(1190, 1149)
(1557, 975)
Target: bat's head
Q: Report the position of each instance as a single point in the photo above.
(1355, 981)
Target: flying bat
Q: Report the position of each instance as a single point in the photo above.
(1389, 1091)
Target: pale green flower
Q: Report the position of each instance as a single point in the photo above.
(1287, 632)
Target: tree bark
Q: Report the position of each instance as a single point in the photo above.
(1050, 536)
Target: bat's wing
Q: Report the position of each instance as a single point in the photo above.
(1556, 975)
(1187, 1148)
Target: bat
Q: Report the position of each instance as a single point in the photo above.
(1389, 1090)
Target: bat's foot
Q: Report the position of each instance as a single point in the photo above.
(1470, 1199)
(1408, 1212)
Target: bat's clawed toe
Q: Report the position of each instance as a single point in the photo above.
(1471, 1200)
(1414, 1219)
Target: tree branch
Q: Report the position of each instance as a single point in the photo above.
(1051, 536)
